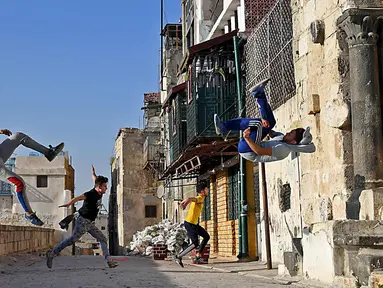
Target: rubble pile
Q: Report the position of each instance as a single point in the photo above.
(174, 236)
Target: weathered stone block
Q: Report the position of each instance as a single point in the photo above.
(366, 262)
(317, 31)
(371, 204)
(319, 210)
(339, 206)
(336, 113)
(376, 279)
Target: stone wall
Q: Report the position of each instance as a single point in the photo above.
(16, 239)
(319, 183)
(6, 203)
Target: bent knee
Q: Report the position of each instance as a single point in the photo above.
(18, 182)
(18, 136)
(103, 239)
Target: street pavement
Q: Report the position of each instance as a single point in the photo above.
(92, 271)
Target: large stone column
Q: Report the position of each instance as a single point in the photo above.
(361, 27)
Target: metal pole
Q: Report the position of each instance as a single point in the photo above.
(266, 217)
(162, 44)
(242, 179)
(73, 222)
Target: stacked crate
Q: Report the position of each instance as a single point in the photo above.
(159, 252)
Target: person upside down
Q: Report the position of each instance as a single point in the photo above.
(251, 147)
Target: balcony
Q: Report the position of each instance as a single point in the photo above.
(153, 152)
(211, 88)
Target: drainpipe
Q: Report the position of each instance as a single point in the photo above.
(183, 19)
(243, 251)
(266, 217)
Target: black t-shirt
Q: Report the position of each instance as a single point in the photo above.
(90, 207)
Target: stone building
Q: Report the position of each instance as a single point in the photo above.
(208, 85)
(324, 60)
(136, 202)
(6, 189)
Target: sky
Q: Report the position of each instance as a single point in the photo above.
(75, 72)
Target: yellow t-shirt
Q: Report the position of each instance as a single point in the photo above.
(195, 210)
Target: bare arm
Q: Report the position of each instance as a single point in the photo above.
(94, 176)
(187, 201)
(255, 147)
(74, 200)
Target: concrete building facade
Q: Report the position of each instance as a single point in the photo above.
(136, 200)
(49, 184)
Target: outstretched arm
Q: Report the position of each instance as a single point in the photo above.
(255, 147)
(187, 201)
(74, 200)
(94, 176)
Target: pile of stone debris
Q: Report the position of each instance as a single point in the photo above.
(172, 235)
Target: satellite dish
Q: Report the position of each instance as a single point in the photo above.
(160, 191)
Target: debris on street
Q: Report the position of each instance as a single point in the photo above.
(172, 235)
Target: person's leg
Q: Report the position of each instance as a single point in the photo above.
(236, 124)
(100, 237)
(193, 236)
(206, 237)
(7, 175)
(266, 112)
(9, 145)
(82, 226)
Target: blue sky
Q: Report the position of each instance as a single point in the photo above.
(76, 71)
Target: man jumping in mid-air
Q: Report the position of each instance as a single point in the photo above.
(192, 227)
(7, 147)
(251, 146)
(85, 222)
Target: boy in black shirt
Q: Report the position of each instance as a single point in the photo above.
(85, 221)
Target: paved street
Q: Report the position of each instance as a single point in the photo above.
(90, 271)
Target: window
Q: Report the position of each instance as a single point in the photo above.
(150, 211)
(102, 227)
(206, 212)
(118, 170)
(233, 193)
(42, 181)
(95, 246)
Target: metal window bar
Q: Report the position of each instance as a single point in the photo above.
(232, 198)
(213, 91)
(269, 53)
(206, 215)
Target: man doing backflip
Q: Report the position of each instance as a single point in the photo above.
(251, 146)
(7, 147)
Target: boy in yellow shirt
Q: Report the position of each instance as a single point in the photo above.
(191, 222)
